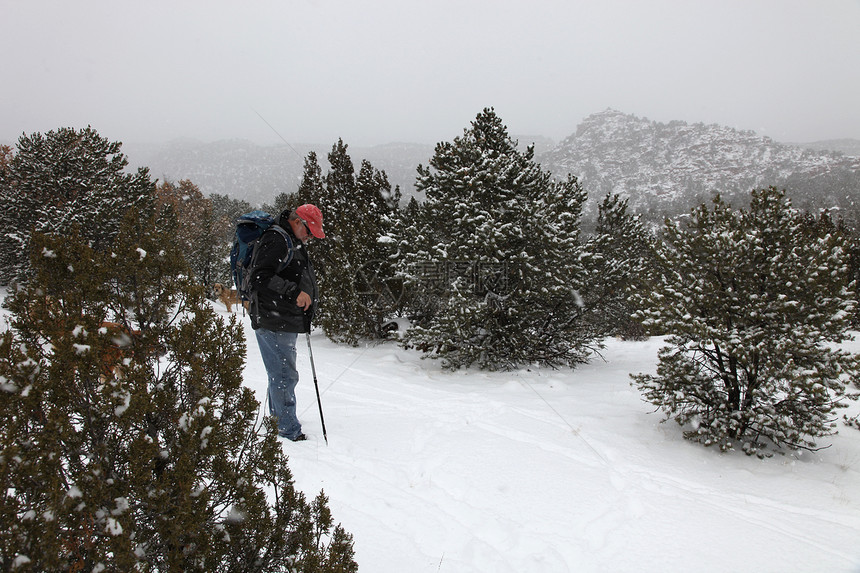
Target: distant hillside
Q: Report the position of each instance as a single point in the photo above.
(668, 167)
(244, 170)
(847, 146)
(662, 167)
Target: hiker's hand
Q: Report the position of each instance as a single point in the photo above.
(304, 300)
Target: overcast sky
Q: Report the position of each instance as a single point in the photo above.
(380, 71)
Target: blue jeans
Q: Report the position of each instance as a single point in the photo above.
(278, 350)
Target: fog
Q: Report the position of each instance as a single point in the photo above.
(380, 71)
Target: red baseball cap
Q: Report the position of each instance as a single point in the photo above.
(312, 217)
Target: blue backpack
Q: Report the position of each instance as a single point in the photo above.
(249, 228)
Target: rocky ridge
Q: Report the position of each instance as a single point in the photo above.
(671, 166)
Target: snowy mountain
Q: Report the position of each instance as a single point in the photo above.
(671, 166)
(661, 167)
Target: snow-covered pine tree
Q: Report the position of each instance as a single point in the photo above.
(128, 440)
(312, 186)
(557, 296)
(375, 287)
(336, 270)
(622, 254)
(5, 156)
(755, 308)
(496, 255)
(823, 223)
(358, 210)
(412, 300)
(65, 177)
(854, 265)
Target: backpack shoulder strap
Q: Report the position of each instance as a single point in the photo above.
(290, 248)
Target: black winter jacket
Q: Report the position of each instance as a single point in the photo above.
(273, 294)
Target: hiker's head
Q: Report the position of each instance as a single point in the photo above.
(305, 221)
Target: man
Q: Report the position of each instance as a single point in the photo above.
(283, 302)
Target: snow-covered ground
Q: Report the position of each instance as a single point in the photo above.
(551, 471)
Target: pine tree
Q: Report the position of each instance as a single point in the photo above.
(357, 291)
(561, 300)
(854, 265)
(128, 440)
(311, 188)
(622, 256)
(755, 308)
(337, 201)
(197, 236)
(60, 179)
(376, 290)
(411, 295)
(496, 255)
(5, 157)
(823, 224)
(351, 260)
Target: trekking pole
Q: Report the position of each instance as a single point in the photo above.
(316, 386)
